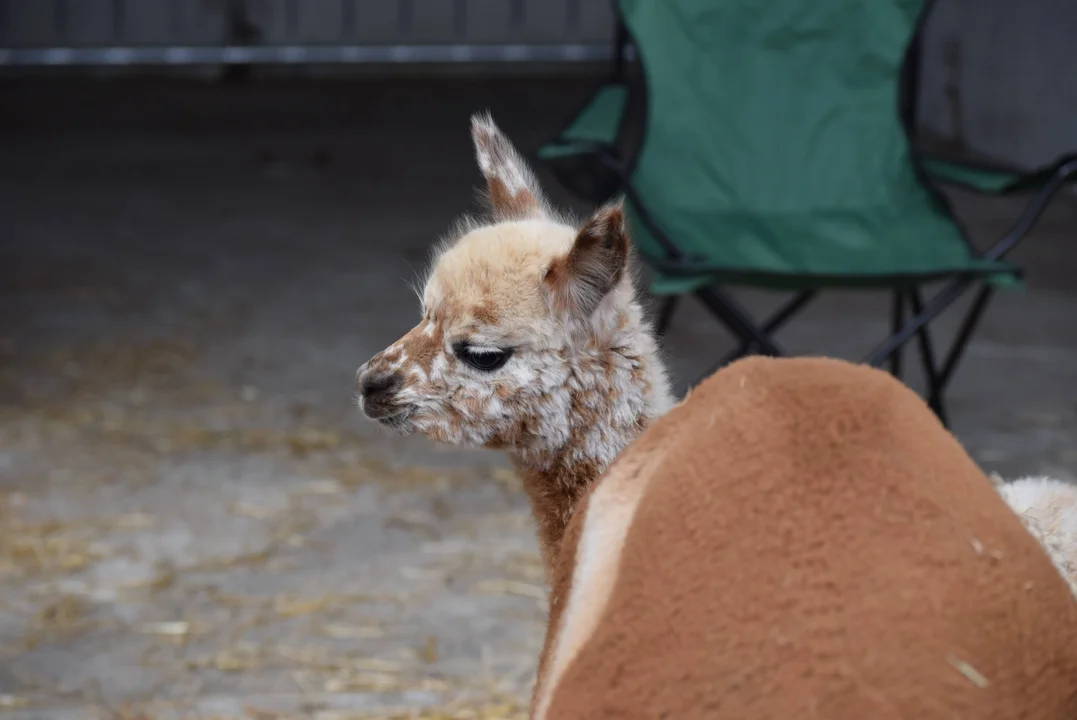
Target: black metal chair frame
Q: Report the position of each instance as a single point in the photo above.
(756, 338)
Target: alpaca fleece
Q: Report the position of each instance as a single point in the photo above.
(801, 538)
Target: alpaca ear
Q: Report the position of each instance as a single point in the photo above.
(594, 265)
(511, 188)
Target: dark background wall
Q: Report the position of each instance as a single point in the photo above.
(996, 81)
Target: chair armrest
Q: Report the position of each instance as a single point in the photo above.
(595, 128)
(996, 182)
(1047, 182)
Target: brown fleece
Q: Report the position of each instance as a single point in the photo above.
(812, 543)
(555, 495)
(560, 579)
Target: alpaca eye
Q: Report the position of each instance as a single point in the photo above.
(483, 358)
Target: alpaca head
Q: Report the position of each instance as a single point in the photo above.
(531, 338)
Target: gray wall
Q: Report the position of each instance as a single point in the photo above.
(999, 76)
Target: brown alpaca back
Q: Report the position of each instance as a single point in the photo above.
(802, 539)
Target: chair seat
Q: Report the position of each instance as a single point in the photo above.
(997, 182)
(981, 179)
(852, 247)
(662, 285)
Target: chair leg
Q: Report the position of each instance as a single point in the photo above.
(897, 319)
(736, 318)
(937, 376)
(935, 307)
(916, 326)
(665, 314)
(772, 324)
(968, 325)
(787, 311)
(935, 382)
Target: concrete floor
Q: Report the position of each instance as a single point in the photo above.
(193, 515)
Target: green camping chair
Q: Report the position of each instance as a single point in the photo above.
(774, 152)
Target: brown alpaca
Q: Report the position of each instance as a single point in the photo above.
(801, 538)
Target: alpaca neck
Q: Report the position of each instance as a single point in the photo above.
(554, 492)
(607, 412)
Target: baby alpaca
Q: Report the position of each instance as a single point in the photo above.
(531, 341)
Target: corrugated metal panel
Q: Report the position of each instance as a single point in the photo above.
(90, 22)
(596, 21)
(543, 22)
(30, 23)
(489, 21)
(310, 21)
(429, 21)
(150, 22)
(125, 31)
(377, 23)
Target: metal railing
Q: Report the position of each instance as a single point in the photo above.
(230, 32)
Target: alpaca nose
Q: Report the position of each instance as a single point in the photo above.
(375, 386)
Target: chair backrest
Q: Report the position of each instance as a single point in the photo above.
(797, 101)
(776, 109)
